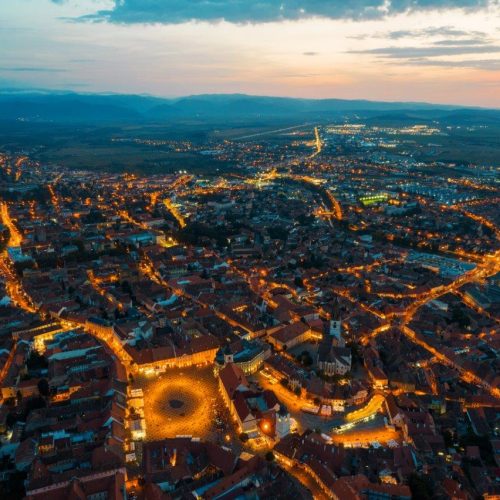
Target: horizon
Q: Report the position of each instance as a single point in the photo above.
(444, 52)
(109, 93)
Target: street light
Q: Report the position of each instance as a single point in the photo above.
(266, 427)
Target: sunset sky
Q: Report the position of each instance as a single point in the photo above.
(412, 50)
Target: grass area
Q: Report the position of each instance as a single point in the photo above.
(480, 146)
(132, 159)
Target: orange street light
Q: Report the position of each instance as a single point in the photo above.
(266, 427)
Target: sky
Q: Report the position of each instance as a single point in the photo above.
(441, 51)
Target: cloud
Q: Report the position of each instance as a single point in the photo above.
(309, 53)
(484, 64)
(259, 11)
(445, 51)
(464, 42)
(31, 69)
(84, 60)
(429, 51)
(72, 85)
(438, 31)
(446, 31)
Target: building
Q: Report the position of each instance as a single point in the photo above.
(247, 355)
(333, 357)
(283, 422)
(291, 335)
(255, 412)
(334, 360)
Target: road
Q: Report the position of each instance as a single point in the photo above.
(334, 210)
(370, 409)
(13, 284)
(16, 237)
(294, 405)
(310, 482)
(488, 265)
(175, 212)
(317, 142)
(366, 434)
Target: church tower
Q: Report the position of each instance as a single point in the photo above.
(228, 355)
(336, 325)
(282, 422)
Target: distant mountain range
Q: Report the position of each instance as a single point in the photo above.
(70, 107)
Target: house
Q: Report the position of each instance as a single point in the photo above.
(289, 336)
(132, 331)
(255, 412)
(231, 379)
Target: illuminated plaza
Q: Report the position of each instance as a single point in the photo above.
(181, 402)
(371, 432)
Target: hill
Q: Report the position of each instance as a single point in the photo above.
(69, 107)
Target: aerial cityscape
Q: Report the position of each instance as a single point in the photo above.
(212, 293)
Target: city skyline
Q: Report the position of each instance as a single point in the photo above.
(376, 51)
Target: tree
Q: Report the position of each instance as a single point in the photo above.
(278, 233)
(458, 315)
(36, 361)
(43, 387)
(305, 358)
(420, 486)
(34, 403)
(299, 282)
(14, 487)
(448, 438)
(126, 288)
